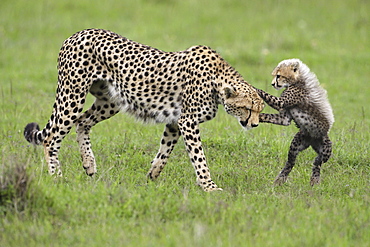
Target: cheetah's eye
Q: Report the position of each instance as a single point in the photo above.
(277, 76)
(295, 70)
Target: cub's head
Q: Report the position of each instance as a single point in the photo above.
(287, 73)
(243, 103)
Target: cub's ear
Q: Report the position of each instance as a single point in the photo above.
(295, 66)
(229, 92)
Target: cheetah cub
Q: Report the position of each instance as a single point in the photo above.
(305, 102)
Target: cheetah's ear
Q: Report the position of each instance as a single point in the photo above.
(229, 92)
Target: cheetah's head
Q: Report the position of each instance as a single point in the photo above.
(287, 73)
(244, 104)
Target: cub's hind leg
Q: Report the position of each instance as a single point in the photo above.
(323, 148)
(299, 143)
(99, 111)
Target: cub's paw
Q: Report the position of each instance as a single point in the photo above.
(280, 180)
(314, 180)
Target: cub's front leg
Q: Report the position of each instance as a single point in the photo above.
(283, 118)
(271, 100)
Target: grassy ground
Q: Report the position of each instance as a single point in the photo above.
(118, 207)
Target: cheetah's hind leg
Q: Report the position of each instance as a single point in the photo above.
(99, 111)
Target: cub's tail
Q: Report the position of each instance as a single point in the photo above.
(33, 134)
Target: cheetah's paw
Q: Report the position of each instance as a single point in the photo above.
(210, 186)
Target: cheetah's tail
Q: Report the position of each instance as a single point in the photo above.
(33, 134)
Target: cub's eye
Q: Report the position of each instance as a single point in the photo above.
(295, 70)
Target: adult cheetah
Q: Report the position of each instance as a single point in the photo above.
(181, 89)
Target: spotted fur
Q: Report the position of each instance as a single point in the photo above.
(305, 102)
(180, 89)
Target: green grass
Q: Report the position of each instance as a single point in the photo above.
(118, 207)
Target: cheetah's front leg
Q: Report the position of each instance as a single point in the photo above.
(169, 139)
(190, 132)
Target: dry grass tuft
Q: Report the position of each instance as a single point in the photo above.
(14, 184)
